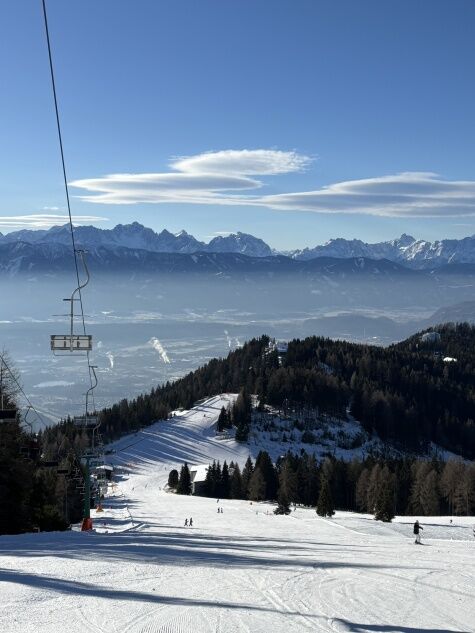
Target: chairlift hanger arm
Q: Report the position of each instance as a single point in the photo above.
(81, 253)
(93, 386)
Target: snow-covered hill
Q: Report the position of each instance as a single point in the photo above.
(191, 436)
(244, 569)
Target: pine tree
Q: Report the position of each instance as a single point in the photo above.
(257, 486)
(242, 432)
(429, 495)
(325, 501)
(225, 482)
(184, 482)
(246, 477)
(173, 479)
(310, 480)
(384, 507)
(288, 481)
(449, 481)
(208, 486)
(265, 465)
(236, 483)
(241, 416)
(283, 506)
(374, 483)
(464, 496)
(216, 472)
(223, 420)
(362, 491)
(420, 470)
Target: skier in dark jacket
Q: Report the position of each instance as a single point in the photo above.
(417, 527)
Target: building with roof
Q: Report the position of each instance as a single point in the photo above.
(198, 477)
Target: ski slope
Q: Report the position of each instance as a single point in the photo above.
(244, 570)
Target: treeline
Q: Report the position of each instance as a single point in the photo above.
(406, 393)
(33, 495)
(384, 488)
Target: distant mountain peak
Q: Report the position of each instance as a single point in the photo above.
(240, 243)
(405, 239)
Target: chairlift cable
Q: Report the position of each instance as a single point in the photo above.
(63, 164)
(87, 522)
(14, 378)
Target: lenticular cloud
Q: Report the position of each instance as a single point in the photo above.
(234, 177)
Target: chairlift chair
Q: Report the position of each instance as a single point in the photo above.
(8, 415)
(62, 344)
(31, 449)
(87, 421)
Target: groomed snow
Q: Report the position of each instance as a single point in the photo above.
(242, 570)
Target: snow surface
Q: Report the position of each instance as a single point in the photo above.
(241, 570)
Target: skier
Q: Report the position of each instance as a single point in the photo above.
(186, 522)
(417, 527)
(191, 522)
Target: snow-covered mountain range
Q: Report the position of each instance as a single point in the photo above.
(405, 250)
(137, 236)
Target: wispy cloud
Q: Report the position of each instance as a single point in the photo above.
(231, 178)
(44, 220)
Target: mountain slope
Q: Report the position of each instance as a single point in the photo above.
(51, 257)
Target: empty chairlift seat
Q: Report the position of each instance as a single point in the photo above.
(8, 415)
(86, 421)
(71, 342)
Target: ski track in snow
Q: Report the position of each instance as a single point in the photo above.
(244, 571)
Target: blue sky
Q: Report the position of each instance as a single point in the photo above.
(294, 120)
